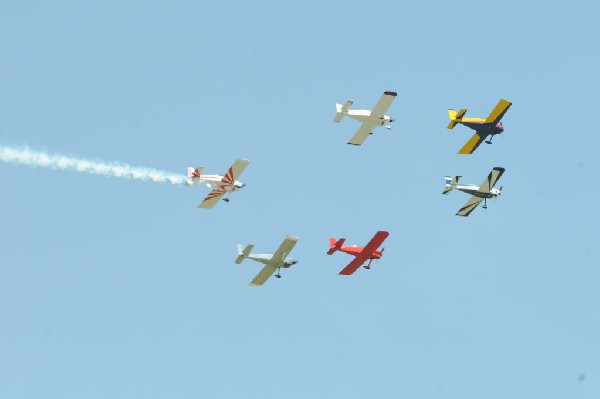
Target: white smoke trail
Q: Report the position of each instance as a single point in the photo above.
(25, 156)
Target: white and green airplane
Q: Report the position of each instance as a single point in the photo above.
(273, 262)
(370, 119)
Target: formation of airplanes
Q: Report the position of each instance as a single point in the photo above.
(223, 185)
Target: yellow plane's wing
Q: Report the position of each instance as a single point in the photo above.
(498, 112)
(472, 144)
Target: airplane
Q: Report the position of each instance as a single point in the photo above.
(273, 262)
(220, 185)
(361, 254)
(489, 126)
(370, 118)
(478, 193)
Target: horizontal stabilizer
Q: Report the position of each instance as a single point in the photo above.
(455, 117)
(243, 253)
(451, 184)
(341, 110)
(335, 245)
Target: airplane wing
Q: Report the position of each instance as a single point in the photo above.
(366, 253)
(263, 275)
(233, 173)
(284, 249)
(353, 266)
(276, 261)
(470, 206)
(472, 144)
(212, 198)
(361, 134)
(491, 180)
(498, 112)
(384, 103)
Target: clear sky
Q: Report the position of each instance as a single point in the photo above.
(112, 288)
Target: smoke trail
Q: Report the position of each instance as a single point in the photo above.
(25, 156)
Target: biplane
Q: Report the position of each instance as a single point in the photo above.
(489, 126)
(273, 262)
(361, 254)
(478, 193)
(222, 186)
(370, 118)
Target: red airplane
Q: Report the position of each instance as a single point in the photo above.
(362, 254)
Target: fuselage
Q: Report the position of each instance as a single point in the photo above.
(355, 250)
(474, 190)
(479, 125)
(364, 116)
(213, 181)
(266, 258)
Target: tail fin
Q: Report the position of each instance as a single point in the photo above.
(341, 110)
(243, 252)
(450, 184)
(194, 173)
(455, 117)
(335, 245)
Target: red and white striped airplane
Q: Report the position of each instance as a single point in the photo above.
(220, 185)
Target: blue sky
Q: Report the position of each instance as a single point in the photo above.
(123, 289)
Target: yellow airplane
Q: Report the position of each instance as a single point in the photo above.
(483, 127)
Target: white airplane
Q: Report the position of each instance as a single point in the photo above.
(273, 262)
(220, 185)
(370, 118)
(479, 193)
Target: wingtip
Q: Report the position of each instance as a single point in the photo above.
(390, 93)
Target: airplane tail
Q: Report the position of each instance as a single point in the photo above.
(335, 245)
(194, 173)
(450, 184)
(455, 117)
(341, 110)
(243, 252)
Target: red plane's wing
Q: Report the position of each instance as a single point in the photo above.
(375, 242)
(353, 266)
(367, 252)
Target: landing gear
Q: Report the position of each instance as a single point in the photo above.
(369, 265)
(484, 203)
(226, 199)
(278, 275)
(490, 140)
